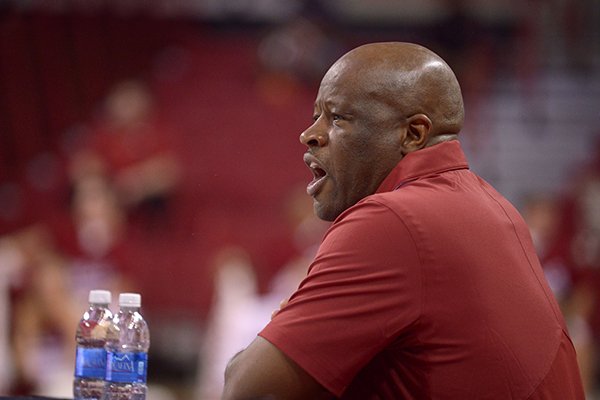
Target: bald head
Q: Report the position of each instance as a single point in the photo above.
(375, 105)
(409, 78)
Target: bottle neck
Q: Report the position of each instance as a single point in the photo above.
(129, 309)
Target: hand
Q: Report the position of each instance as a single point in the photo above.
(282, 304)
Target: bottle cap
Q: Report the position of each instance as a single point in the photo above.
(99, 297)
(130, 300)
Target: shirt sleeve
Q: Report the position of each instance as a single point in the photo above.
(362, 291)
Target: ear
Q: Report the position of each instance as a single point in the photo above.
(417, 133)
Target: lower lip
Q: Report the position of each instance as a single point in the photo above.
(315, 186)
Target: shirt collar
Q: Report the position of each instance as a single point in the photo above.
(445, 156)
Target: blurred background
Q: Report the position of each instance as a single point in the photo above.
(152, 146)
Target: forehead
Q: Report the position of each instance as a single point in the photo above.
(358, 86)
(345, 83)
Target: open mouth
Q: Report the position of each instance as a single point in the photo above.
(319, 175)
(317, 171)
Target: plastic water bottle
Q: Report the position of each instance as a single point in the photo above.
(90, 359)
(127, 346)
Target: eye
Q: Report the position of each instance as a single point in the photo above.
(316, 117)
(336, 118)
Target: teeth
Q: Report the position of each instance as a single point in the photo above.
(316, 169)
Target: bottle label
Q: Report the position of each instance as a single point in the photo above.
(90, 363)
(126, 367)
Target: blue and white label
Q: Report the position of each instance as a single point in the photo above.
(90, 363)
(126, 367)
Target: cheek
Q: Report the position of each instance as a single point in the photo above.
(352, 156)
(344, 170)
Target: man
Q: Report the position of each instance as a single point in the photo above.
(427, 285)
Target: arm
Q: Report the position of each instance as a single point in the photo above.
(261, 371)
(355, 300)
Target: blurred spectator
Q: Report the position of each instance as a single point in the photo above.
(10, 265)
(581, 224)
(132, 148)
(43, 318)
(566, 233)
(542, 214)
(307, 232)
(96, 240)
(299, 48)
(293, 54)
(58, 263)
(240, 311)
(235, 318)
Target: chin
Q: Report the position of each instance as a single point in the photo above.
(325, 213)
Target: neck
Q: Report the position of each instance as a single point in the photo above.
(444, 137)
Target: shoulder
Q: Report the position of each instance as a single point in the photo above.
(369, 234)
(371, 216)
(375, 214)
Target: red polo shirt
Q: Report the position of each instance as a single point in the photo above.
(429, 289)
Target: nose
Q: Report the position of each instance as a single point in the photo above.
(313, 136)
